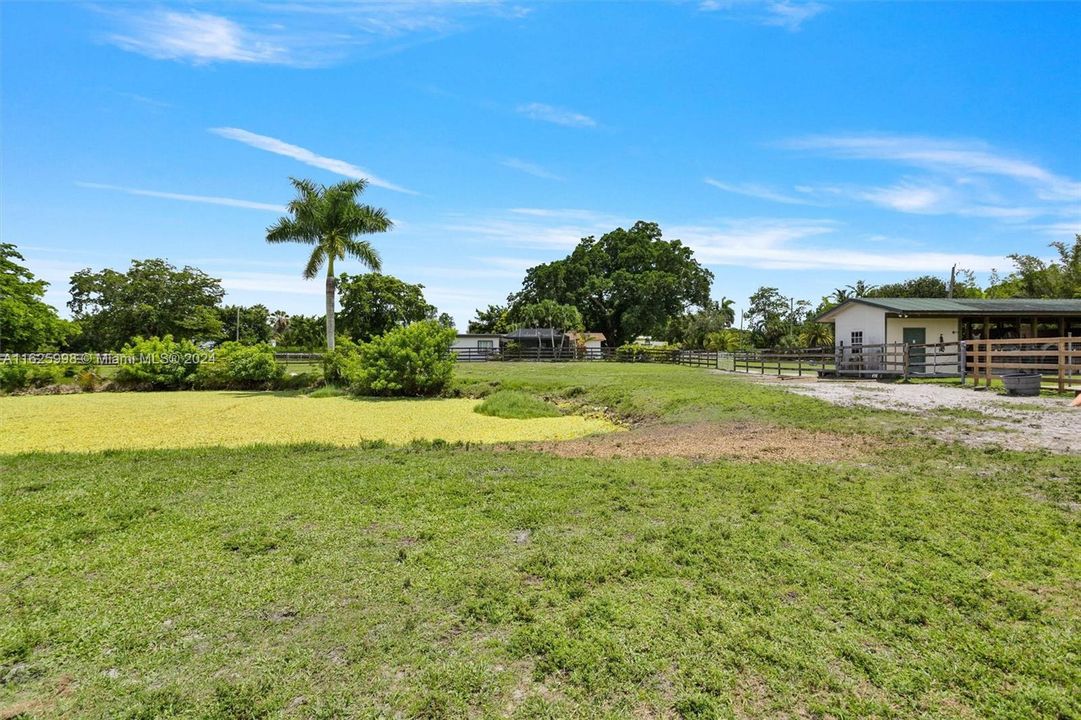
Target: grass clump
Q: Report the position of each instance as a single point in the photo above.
(516, 405)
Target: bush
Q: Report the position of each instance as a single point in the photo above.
(157, 363)
(238, 366)
(20, 376)
(645, 353)
(517, 405)
(334, 361)
(408, 361)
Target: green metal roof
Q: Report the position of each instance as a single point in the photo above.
(964, 306)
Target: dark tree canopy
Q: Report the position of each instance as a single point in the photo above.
(692, 329)
(775, 320)
(1035, 278)
(546, 314)
(626, 283)
(255, 325)
(153, 298)
(304, 332)
(27, 324)
(490, 321)
(373, 303)
(925, 286)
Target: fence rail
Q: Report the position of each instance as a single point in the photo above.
(1056, 360)
(693, 358)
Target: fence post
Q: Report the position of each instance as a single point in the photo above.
(962, 361)
(906, 354)
(1062, 365)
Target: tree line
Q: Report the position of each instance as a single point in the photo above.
(627, 283)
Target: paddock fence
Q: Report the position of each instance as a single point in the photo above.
(1056, 360)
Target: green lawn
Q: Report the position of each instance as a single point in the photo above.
(436, 581)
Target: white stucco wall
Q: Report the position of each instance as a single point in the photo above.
(470, 342)
(946, 327)
(856, 317)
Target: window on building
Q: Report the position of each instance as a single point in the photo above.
(857, 341)
(484, 344)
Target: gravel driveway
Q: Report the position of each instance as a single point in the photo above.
(981, 418)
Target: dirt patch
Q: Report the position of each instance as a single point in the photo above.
(710, 441)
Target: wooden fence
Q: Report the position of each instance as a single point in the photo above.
(1056, 360)
(693, 358)
(780, 362)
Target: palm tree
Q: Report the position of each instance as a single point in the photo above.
(839, 295)
(728, 311)
(861, 289)
(330, 219)
(279, 323)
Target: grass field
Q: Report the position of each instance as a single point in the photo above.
(105, 421)
(916, 579)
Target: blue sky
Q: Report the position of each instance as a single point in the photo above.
(799, 145)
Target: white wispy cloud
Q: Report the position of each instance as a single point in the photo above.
(756, 190)
(529, 168)
(543, 228)
(789, 14)
(205, 199)
(951, 157)
(299, 34)
(300, 154)
(197, 37)
(795, 244)
(557, 115)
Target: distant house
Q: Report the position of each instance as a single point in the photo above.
(591, 340)
(873, 321)
(545, 338)
(474, 345)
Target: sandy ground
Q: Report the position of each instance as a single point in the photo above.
(709, 441)
(977, 418)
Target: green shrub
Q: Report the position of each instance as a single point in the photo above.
(645, 353)
(408, 361)
(157, 363)
(334, 361)
(517, 405)
(296, 381)
(238, 366)
(20, 376)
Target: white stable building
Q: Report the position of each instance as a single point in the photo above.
(868, 331)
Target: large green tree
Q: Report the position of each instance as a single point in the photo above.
(1035, 278)
(700, 328)
(27, 324)
(152, 298)
(247, 324)
(546, 314)
(774, 319)
(330, 220)
(373, 303)
(304, 332)
(628, 282)
(491, 320)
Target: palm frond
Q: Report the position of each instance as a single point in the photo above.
(362, 250)
(315, 262)
(289, 230)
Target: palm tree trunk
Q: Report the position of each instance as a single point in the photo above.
(330, 306)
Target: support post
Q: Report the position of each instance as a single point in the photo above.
(1062, 345)
(962, 361)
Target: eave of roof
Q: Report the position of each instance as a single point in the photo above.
(962, 306)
